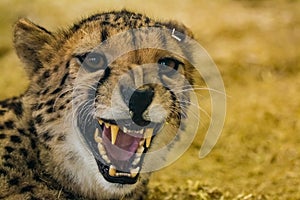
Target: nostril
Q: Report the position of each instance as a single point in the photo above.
(139, 101)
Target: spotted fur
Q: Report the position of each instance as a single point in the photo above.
(41, 157)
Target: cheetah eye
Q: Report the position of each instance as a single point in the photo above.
(93, 62)
(168, 66)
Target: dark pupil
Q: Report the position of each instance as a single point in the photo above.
(93, 60)
(168, 65)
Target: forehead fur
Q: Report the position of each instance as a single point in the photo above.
(111, 23)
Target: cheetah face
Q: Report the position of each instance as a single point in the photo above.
(131, 102)
(130, 95)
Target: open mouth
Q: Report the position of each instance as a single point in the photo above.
(122, 147)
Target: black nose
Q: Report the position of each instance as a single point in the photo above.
(138, 102)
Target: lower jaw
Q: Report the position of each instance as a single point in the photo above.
(122, 179)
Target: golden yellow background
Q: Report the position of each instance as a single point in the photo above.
(256, 45)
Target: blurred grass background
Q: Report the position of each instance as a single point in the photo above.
(256, 45)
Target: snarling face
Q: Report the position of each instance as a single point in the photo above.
(125, 100)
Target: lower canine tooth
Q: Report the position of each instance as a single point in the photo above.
(112, 170)
(134, 172)
(148, 135)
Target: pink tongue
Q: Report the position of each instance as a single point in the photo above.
(124, 148)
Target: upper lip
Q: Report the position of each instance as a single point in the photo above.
(127, 123)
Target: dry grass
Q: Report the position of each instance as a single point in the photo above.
(256, 45)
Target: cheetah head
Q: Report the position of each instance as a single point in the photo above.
(106, 95)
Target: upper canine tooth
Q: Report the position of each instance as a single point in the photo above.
(114, 133)
(148, 135)
(125, 130)
(100, 121)
(107, 125)
(112, 170)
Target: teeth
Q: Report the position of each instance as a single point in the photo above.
(101, 149)
(140, 149)
(100, 146)
(148, 135)
(141, 131)
(132, 175)
(100, 121)
(136, 160)
(123, 174)
(125, 130)
(112, 170)
(106, 158)
(107, 125)
(134, 172)
(114, 133)
(96, 136)
(142, 142)
(138, 154)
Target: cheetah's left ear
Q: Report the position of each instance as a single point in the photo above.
(29, 41)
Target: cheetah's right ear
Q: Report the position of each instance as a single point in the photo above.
(29, 41)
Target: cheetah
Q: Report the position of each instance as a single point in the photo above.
(105, 95)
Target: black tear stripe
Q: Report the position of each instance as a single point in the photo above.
(85, 118)
(174, 102)
(107, 72)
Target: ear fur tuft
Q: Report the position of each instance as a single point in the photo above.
(29, 40)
